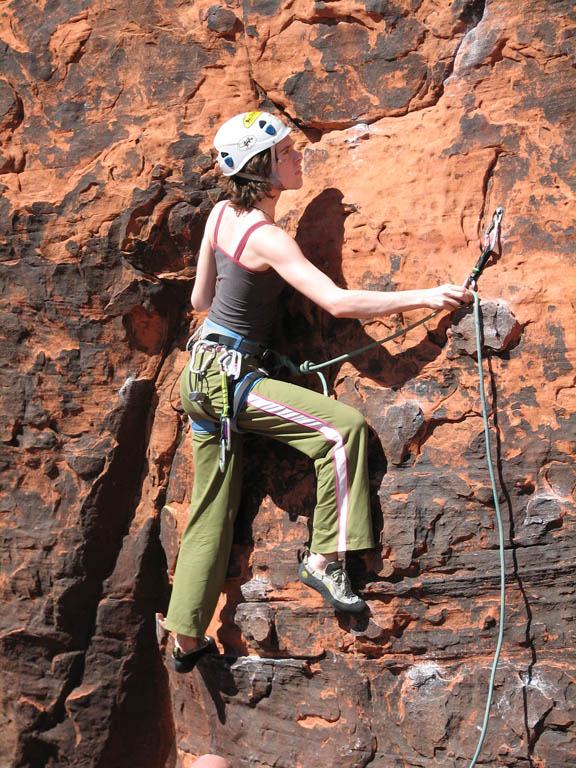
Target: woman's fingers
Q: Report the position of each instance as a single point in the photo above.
(450, 296)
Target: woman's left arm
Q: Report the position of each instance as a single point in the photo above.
(205, 283)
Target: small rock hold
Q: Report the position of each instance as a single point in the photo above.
(255, 590)
(221, 20)
(400, 425)
(358, 132)
(86, 467)
(499, 329)
(372, 631)
(38, 440)
(160, 172)
(542, 513)
(255, 621)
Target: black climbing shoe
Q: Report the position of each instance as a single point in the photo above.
(185, 662)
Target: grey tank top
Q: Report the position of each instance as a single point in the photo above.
(245, 301)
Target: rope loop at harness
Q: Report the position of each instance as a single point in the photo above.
(310, 367)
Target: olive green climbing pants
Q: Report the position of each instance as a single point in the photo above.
(329, 432)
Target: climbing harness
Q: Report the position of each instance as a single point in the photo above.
(231, 353)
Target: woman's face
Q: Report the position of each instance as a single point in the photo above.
(289, 164)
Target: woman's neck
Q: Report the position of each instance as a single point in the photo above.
(268, 205)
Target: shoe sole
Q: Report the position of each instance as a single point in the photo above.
(311, 581)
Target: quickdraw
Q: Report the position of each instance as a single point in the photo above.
(491, 243)
(230, 362)
(225, 433)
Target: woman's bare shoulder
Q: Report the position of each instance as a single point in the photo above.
(213, 218)
(274, 245)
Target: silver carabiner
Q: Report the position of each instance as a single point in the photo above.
(226, 427)
(492, 234)
(230, 362)
(199, 348)
(225, 441)
(222, 456)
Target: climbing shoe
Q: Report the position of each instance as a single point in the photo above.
(333, 585)
(185, 662)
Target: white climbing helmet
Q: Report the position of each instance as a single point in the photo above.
(244, 136)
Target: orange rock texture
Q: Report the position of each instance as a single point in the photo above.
(416, 119)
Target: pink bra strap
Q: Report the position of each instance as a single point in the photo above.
(242, 243)
(218, 220)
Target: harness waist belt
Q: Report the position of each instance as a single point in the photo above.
(250, 348)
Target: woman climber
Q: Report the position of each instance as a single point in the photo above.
(245, 261)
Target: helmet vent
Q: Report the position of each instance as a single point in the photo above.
(270, 130)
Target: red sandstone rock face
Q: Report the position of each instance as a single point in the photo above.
(416, 120)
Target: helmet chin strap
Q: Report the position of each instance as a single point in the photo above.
(249, 176)
(274, 178)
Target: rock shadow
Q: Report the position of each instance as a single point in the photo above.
(311, 333)
(531, 733)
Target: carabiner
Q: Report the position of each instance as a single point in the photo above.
(225, 441)
(491, 237)
(226, 431)
(493, 229)
(222, 456)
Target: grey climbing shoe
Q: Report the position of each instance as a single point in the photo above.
(333, 585)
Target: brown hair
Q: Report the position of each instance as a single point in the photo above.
(244, 193)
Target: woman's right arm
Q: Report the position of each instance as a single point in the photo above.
(284, 255)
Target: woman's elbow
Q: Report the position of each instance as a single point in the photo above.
(337, 306)
(200, 301)
(337, 311)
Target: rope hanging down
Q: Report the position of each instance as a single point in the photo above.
(478, 327)
(491, 243)
(491, 239)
